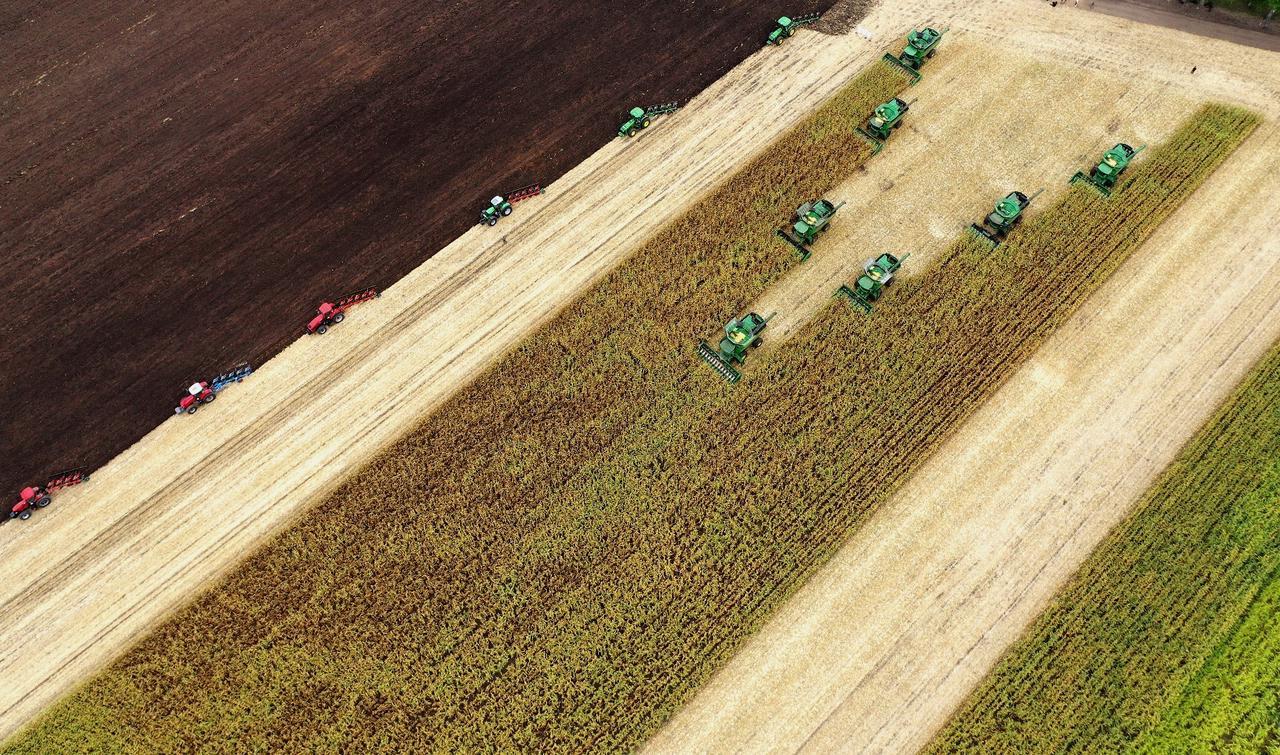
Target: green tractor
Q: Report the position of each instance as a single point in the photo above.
(811, 219)
(787, 26)
(1104, 175)
(740, 335)
(1005, 217)
(877, 274)
(921, 45)
(501, 206)
(641, 117)
(883, 120)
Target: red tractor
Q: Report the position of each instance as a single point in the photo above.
(331, 313)
(197, 394)
(39, 496)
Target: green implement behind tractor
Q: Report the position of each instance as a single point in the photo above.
(921, 45)
(877, 274)
(811, 219)
(883, 120)
(640, 117)
(1104, 175)
(739, 336)
(787, 26)
(1005, 217)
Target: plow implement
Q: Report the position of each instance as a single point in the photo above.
(236, 374)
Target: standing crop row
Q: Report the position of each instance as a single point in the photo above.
(565, 552)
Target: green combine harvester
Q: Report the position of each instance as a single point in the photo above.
(739, 336)
(882, 121)
(811, 219)
(1104, 175)
(641, 117)
(1005, 217)
(921, 45)
(876, 275)
(787, 26)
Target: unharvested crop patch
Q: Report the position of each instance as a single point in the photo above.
(564, 552)
(1165, 640)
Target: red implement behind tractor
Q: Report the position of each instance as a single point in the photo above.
(39, 496)
(333, 312)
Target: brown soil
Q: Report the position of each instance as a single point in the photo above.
(184, 182)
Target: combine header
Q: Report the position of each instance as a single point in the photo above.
(1104, 175)
(1005, 217)
(331, 313)
(921, 45)
(39, 496)
(811, 219)
(876, 275)
(739, 336)
(640, 117)
(787, 26)
(206, 392)
(883, 120)
(500, 206)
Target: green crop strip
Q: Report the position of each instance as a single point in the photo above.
(1166, 640)
(559, 557)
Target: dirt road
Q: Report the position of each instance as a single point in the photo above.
(1218, 24)
(183, 182)
(877, 650)
(187, 501)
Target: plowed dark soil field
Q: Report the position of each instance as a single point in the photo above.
(181, 182)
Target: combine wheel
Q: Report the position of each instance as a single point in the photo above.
(43, 502)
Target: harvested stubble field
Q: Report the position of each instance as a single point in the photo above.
(1166, 640)
(572, 587)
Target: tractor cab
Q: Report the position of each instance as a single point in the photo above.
(497, 207)
(197, 394)
(30, 498)
(881, 269)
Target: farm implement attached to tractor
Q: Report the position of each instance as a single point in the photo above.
(882, 121)
(787, 26)
(811, 219)
(205, 392)
(640, 117)
(740, 335)
(877, 274)
(39, 496)
(921, 45)
(1005, 217)
(1106, 173)
(501, 206)
(331, 313)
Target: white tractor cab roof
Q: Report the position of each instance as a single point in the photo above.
(497, 201)
(196, 389)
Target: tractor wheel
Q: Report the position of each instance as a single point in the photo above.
(492, 222)
(339, 318)
(25, 515)
(757, 343)
(212, 396)
(43, 502)
(644, 123)
(506, 211)
(322, 329)
(192, 409)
